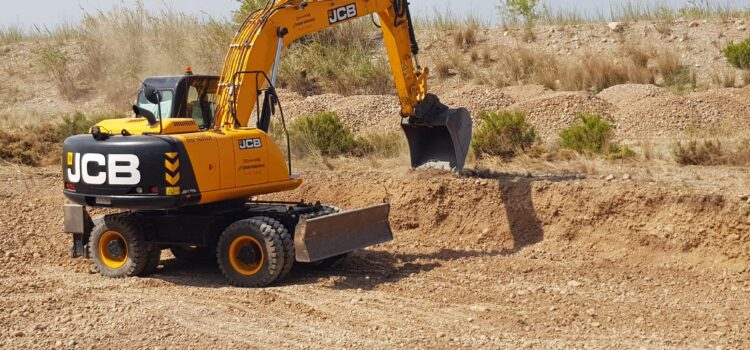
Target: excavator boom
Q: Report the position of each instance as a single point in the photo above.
(437, 135)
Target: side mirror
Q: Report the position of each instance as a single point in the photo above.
(151, 94)
(144, 113)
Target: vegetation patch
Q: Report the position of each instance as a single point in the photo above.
(711, 152)
(593, 135)
(738, 54)
(325, 135)
(56, 63)
(503, 134)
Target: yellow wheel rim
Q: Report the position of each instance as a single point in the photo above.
(246, 255)
(110, 258)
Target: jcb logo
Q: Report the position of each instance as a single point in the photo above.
(342, 13)
(250, 144)
(97, 169)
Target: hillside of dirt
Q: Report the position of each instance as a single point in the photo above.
(637, 110)
(478, 262)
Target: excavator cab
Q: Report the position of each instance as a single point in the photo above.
(187, 96)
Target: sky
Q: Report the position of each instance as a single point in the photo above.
(52, 12)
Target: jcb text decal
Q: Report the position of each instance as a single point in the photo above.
(250, 143)
(342, 13)
(98, 169)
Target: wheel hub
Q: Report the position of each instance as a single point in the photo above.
(116, 249)
(249, 255)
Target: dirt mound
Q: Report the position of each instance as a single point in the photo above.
(553, 112)
(362, 113)
(475, 98)
(521, 93)
(626, 95)
(670, 115)
(378, 113)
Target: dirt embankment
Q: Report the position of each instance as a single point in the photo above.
(637, 111)
(505, 261)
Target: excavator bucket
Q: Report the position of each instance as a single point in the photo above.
(331, 235)
(439, 137)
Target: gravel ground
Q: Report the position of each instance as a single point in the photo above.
(492, 262)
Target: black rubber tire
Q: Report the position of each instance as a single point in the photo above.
(154, 258)
(194, 254)
(264, 231)
(287, 244)
(137, 253)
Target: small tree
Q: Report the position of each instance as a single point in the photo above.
(528, 10)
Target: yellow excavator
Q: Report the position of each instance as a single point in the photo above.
(187, 169)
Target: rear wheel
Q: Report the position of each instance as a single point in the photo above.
(118, 249)
(250, 252)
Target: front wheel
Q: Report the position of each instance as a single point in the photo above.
(250, 252)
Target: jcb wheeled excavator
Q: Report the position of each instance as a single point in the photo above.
(188, 167)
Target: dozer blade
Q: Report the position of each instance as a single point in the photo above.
(439, 137)
(332, 235)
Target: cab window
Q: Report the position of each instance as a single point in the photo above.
(166, 104)
(200, 106)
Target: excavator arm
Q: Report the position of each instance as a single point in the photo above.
(437, 135)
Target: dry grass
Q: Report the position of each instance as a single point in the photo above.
(126, 44)
(712, 153)
(345, 59)
(56, 64)
(636, 63)
(10, 34)
(726, 78)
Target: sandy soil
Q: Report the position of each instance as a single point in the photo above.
(492, 262)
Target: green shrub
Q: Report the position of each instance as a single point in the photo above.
(78, 123)
(323, 132)
(74, 124)
(680, 81)
(504, 134)
(738, 55)
(592, 134)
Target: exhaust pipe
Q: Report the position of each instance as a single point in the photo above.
(438, 136)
